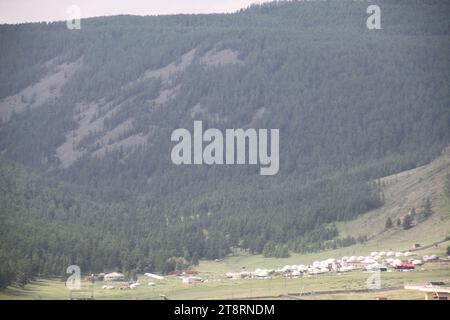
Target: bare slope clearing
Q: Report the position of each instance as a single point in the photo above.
(216, 58)
(90, 124)
(92, 138)
(46, 89)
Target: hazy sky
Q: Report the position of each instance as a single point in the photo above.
(15, 11)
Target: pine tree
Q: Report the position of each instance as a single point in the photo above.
(413, 213)
(447, 185)
(427, 210)
(407, 222)
(23, 274)
(388, 224)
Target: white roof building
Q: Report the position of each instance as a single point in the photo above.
(154, 276)
(190, 280)
(114, 276)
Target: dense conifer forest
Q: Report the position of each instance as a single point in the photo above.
(352, 105)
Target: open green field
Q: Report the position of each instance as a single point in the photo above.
(251, 262)
(276, 287)
(217, 286)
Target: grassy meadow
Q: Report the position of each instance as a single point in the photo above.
(217, 286)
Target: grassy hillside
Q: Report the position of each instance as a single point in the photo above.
(403, 191)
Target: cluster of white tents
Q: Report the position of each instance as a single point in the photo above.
(387, 257)
(257, 274)
(398, 254)
(375, 261)
(317, 267)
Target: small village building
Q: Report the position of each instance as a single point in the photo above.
(238, 275)
(405, 266)
(437, 295)
(432, 292)
(192, 280)
(376, 267)
(114, 276)
(154, 276)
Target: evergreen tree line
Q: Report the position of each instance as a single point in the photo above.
(352, 106)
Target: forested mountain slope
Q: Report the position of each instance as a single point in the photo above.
(89, 114)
